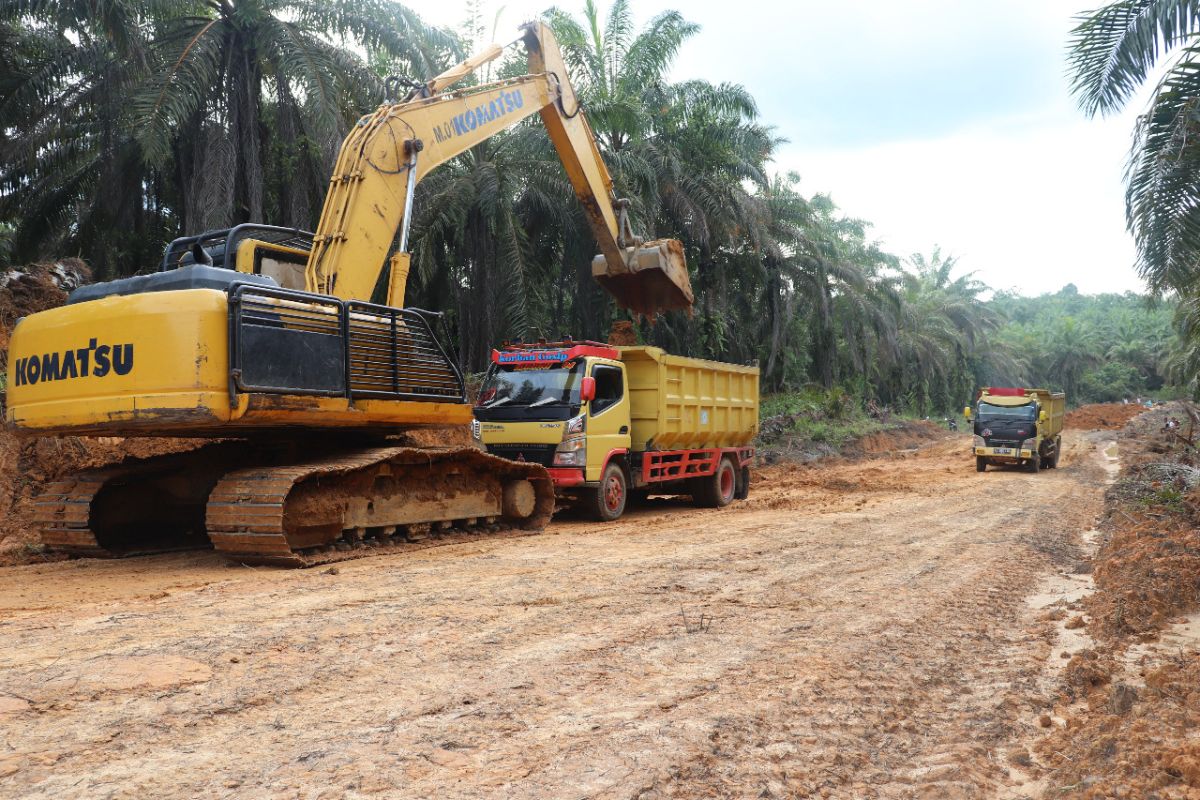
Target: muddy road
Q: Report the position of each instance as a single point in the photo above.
(853, 631)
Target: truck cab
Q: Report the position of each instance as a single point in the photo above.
(1017, 426)
(608, 420)
(566, 409)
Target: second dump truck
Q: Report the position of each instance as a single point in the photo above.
(608, 421)
(1017, 426)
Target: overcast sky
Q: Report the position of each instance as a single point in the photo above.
(942, 122)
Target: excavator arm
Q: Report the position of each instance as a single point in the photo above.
(385, 155)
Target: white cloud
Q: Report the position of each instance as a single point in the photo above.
(1002, 170)
(1031, 209)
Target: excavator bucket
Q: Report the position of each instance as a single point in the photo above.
(654, 278)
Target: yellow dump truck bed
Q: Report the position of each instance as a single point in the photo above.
(1055, 406)
(680, 403)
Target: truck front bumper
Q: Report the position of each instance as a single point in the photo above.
(1004, 452)
(565, 476)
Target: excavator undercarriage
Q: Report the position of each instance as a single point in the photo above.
(258, 504)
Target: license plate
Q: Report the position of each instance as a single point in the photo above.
(1003, 451)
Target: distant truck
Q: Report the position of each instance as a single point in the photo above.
(1017, 426)
(608, 421)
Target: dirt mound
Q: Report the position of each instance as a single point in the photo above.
(1102, 416)
(1146, 570)
(908, 436)
(1132, 703)
(1131, 742)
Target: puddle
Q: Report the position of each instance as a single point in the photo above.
(1112, 462)
(1061, 593)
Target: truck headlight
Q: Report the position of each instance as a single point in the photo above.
(475, 430)
(575, 426)
(571, 453)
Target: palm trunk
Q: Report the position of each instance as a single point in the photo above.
(823, 338)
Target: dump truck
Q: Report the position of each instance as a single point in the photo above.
(268, 339)
(1017, 426)
(611, 421)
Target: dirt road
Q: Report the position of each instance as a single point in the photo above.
(854, 631)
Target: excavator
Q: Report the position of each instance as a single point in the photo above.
(265, 340)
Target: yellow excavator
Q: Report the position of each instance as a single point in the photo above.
(265, 340)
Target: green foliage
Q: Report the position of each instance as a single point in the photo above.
(7, 230)
(830, 417)
(135, 121)
(1113, 382)
(1097, 348)
(1113, 52)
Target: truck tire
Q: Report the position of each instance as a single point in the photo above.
(716, 490)
(980, 464)
(1035, 463)
(607, 501)
(743, 485)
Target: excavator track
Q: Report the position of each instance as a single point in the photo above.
(349, 505)
(339, 505)
(137, 507)
(61, 514)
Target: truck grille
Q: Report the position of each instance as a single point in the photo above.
(533, 453)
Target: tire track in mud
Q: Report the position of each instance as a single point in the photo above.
(858, 643)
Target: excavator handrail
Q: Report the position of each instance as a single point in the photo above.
(175, 253)
(375, 346)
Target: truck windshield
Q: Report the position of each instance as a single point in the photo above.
(509, 386)
(989, 411)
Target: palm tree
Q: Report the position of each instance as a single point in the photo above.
(1112, 53)
(685, 154)
(232, 107)
(71, 177)
(1075, 349)
(944, 331)
(227, 72)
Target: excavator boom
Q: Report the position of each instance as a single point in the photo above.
(389, 151)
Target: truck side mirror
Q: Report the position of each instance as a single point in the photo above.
(967, 413)
(587, 389)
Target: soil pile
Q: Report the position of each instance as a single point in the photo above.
(1132, 704)
(1102, 416)
(906, 436)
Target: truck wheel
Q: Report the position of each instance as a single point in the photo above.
(743, 486)
(716, 490)
(1035, 463)
(607, 502)
(980, 464)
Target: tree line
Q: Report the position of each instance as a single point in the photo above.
(129, 122)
